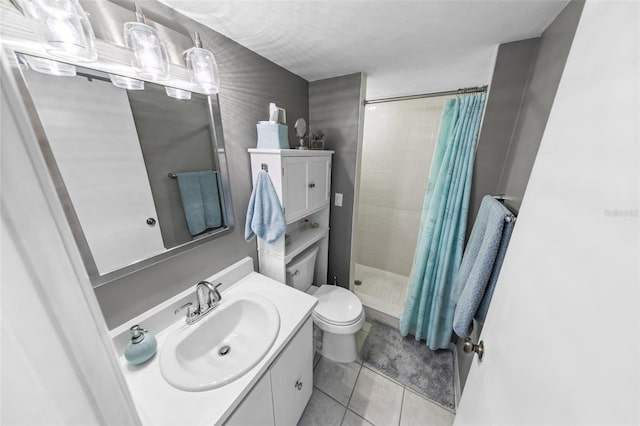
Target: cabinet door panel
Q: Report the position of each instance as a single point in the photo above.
(292, 378)
(319, 178)
(295, 188)
(256, 408)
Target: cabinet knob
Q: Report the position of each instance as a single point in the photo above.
(151, 221)
(298, 385)
(312, 185)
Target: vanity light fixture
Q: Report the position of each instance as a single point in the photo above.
(172, 92)
(126, 82)
(66, 30)
(47, 66)
(150, 56)
(202, 67)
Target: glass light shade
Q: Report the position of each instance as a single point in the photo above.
(126, 82)
(47, 66)
(150, 56)
(66, 29)
(203, 69)
(184, 95)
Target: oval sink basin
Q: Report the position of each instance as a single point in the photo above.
(222, 346)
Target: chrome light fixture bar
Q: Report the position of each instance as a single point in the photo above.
(150, 56)
(203, 67)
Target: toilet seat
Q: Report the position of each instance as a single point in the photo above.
(338, 310)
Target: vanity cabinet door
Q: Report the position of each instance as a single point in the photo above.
(256, 408)
(295, 181)
(292, 378)
(319, 170)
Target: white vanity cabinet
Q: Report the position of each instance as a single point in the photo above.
(283, 392)
(302, 180)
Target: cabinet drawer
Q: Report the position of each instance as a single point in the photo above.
(292, 377)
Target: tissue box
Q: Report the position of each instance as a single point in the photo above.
(273, 136)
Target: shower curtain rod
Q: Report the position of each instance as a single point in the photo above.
(465, 91)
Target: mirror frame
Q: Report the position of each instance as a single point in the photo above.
(217, 140)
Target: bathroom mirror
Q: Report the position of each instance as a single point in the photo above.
(140, 167)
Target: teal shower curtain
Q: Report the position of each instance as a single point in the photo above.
(428, 311)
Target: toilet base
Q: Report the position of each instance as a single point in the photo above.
(339, 347)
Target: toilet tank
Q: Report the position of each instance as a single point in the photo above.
(300, 269)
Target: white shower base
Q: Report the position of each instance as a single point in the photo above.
(381, 290)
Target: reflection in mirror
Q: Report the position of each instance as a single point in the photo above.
(140, 169)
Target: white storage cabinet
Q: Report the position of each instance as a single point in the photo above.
(302, 180)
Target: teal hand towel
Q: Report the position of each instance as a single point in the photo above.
(265, 217)
(200, 200)
(481, 263)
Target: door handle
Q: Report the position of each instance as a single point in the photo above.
(470, 347)
(312, 185)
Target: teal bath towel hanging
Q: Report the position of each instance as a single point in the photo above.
(429, 308)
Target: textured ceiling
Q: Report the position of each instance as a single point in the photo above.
(404, 47)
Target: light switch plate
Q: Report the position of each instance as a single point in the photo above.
(338, 201)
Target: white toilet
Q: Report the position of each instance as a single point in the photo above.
(339, 313)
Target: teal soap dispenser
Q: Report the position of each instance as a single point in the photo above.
(142, 346)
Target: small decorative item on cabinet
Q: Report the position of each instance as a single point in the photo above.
(317, 139)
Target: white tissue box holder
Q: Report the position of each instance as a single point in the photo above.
(273, 136)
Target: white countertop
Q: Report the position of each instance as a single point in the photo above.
(158, 402)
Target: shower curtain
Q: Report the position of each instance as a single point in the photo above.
(428, 311)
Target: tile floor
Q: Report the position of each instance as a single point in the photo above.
(354, 394)
(381, 290)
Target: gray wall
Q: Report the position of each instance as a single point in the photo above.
(510, 78)
(335, 105)
(524, 84)
(248, 83)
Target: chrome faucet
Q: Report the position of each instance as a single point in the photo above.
(207, 299)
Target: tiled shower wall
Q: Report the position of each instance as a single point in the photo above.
(398, 143)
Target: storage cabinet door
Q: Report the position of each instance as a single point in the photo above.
(295, 188)
(256, 408)
(292, 378)
(319, 178)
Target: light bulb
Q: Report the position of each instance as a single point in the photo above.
(126, 82)
(67, 31)
(150, 56)
(183, 95)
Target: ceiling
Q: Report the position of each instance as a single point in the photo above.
(404, 47)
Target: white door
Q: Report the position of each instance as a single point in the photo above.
(561, 338)
(93, 137)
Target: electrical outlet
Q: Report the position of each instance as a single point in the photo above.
(338, 201)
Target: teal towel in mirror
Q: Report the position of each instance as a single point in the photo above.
(199, 194)
(265, 217)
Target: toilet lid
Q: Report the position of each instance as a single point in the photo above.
(338, 305)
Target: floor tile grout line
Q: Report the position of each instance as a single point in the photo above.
(353, 389)
(404, 389)
(327, 395)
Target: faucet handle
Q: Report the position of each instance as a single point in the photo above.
(190, 311)
(215, 294)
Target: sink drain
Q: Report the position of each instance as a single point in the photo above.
(224, 350)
